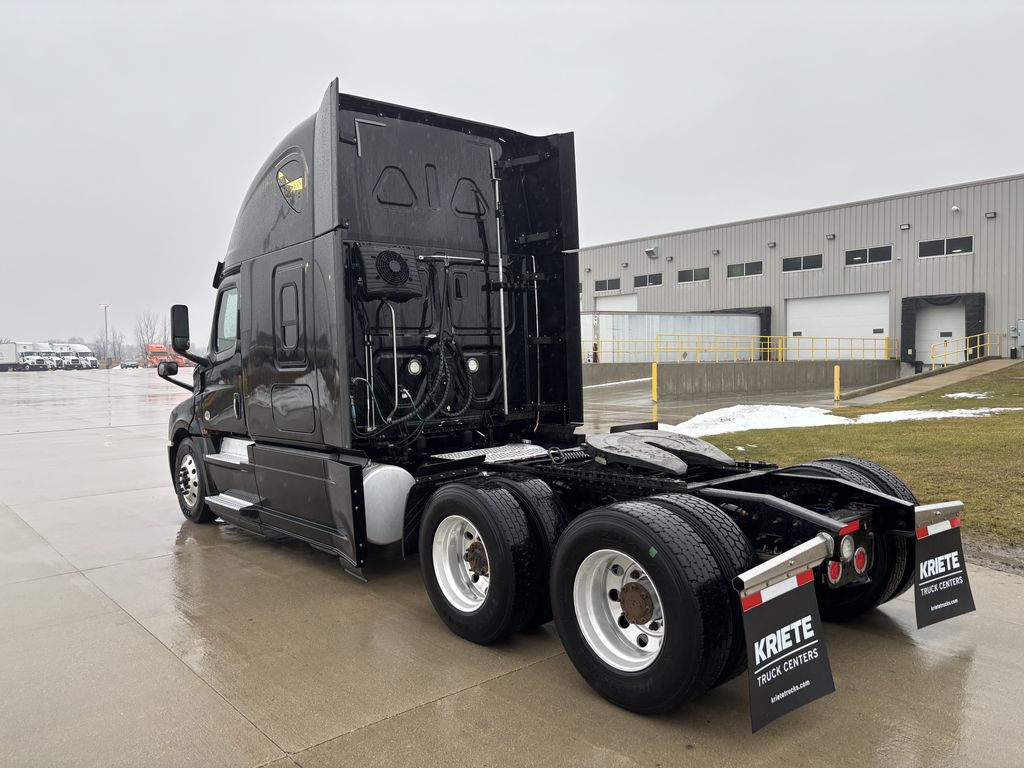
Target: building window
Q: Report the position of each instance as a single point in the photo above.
(607, 285)
(745, 269)
(951, 246)
(798, 263)
(644, 281)
(874, 255)
(699, 275)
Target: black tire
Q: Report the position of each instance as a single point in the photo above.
(693, 598)
(889, 483)
(548, 519)
(733, 554)
(889, 559)
(512, 558)
(197, 511)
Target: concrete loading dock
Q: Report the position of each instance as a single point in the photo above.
(124, 643)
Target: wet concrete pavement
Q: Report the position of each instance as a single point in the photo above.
(131, 637)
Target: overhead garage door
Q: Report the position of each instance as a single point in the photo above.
(941, 325)
(824, 325)
(620, 303)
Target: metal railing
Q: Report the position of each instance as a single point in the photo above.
(953, 351)
(719, 348)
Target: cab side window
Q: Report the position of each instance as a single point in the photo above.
(227, 320)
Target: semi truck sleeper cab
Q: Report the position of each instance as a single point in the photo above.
(395, 360)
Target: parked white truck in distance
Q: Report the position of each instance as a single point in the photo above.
(9, 356)
(83, 353)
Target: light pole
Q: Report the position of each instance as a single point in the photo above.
(106, 335)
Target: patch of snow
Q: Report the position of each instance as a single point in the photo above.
(956, 413)
(968, 396)
(740, 448)
(616, 383)
(739, 418)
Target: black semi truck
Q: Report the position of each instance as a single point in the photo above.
(395, 359)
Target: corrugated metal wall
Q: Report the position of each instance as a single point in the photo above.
(996, 267)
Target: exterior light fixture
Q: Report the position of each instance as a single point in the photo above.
(586, 269)
(830, 236)
(668, 258)
(652, 253)
(715, 252)
(904, 227)
(625, 264)
(771, 244)
(990, 214)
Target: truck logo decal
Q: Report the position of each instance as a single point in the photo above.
(292, 183)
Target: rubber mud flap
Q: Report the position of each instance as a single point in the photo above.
(786, 654)
(941, 587)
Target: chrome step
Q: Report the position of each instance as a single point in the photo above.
(233, 453)
(225, 502)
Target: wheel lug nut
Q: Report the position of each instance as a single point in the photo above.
(634, 575)
(654, 626)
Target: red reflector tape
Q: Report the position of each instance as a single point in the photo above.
(934, 528)
(854, 526)
(757, 598)
(751, 601)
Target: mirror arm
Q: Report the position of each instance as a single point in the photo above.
(177, 383)
(203, 362)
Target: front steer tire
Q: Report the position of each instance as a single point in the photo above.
(496, 537)
(669, 556)
(190, 485)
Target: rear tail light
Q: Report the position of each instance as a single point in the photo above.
(860, 560)
(834, 572)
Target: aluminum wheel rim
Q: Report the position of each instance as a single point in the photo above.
(601, 577)
(463, 588)
(188, 480)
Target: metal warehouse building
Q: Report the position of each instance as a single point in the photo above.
(912, 271)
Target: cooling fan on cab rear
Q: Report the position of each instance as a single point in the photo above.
(388, 272)
(392, 268)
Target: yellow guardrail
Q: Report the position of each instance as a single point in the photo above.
(719, 348)
(953, 351)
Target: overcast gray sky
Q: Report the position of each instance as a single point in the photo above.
(132, 129)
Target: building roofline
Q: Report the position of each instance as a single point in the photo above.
(821, 209)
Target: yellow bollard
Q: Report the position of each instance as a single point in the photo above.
(654, 382)
(835, 383)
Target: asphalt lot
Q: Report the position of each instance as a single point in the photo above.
(131, 637)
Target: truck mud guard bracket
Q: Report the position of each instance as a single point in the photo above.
(781, 567)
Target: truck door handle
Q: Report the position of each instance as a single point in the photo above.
(237, 403)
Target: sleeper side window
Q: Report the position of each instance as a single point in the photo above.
(227, 320)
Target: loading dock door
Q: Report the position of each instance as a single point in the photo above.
(940, 324)
(616, 303)
(858, 316)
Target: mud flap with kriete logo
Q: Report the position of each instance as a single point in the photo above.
(786, 654)
(941, 587)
